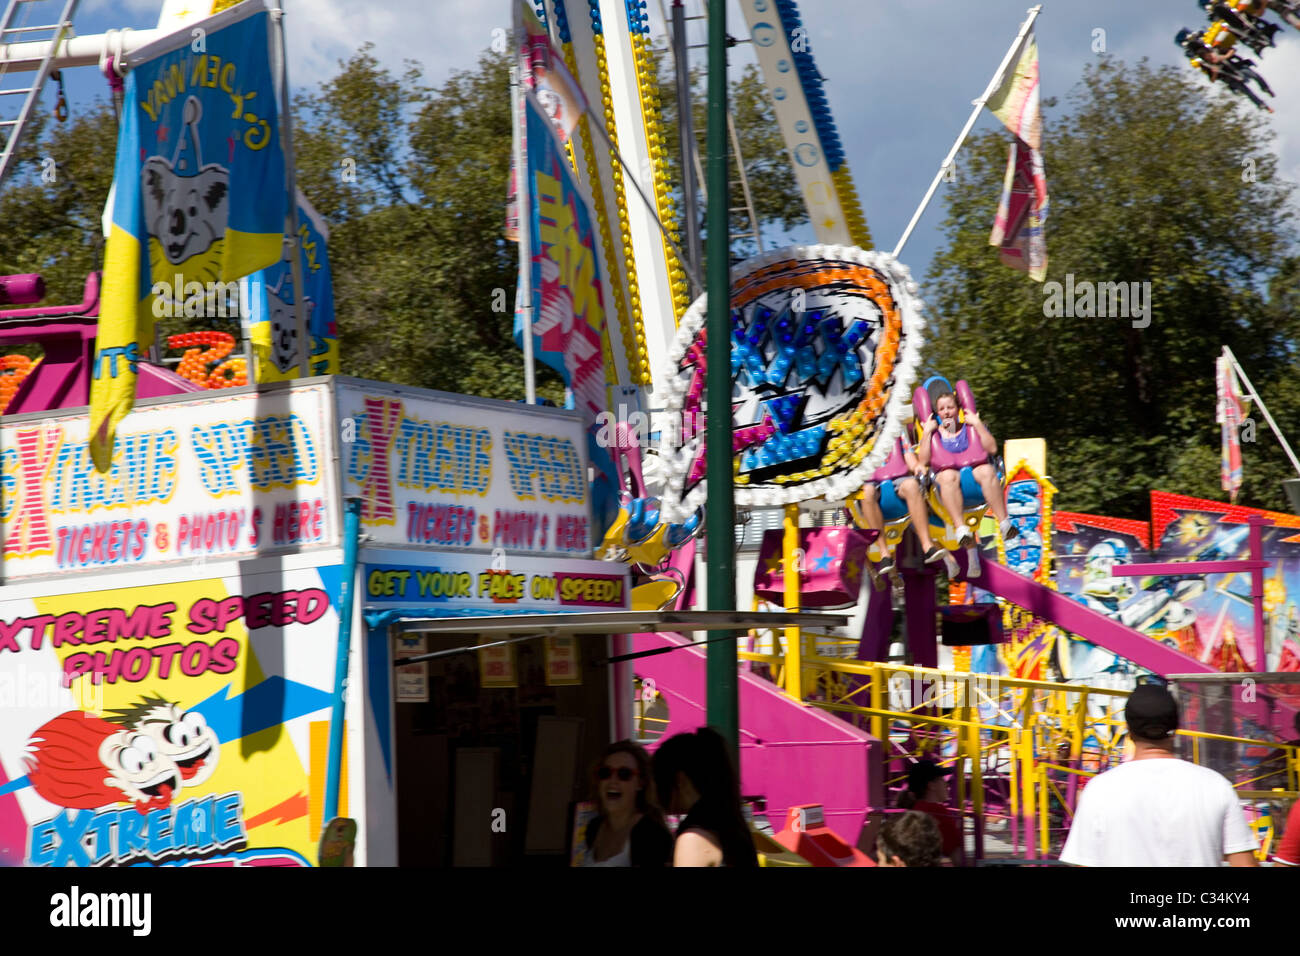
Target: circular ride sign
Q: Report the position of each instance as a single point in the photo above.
(824, 346)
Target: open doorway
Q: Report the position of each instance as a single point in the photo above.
(491, 763)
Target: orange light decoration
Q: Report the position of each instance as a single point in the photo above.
(13, 369)
(229, 374)
(202, 350)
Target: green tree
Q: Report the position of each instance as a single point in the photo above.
(52, 200)
(1146, 180)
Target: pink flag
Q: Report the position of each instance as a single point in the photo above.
(1231, 410)
(1022, 212)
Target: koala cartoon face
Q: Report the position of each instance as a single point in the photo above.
(185, 214)
(284, 332)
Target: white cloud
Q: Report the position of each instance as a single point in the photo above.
(443, 35)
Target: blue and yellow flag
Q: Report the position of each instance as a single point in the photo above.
(198, 193)
(271, 297)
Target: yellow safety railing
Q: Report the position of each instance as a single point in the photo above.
(1035, 742)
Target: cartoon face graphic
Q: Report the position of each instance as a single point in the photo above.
(183, 738)
(145, 776)
(186, 204)
(284, 332)
(81, 761)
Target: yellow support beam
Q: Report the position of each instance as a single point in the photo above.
(793, 635)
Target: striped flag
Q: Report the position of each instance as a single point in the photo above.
(1231, 411)
(1018, 228)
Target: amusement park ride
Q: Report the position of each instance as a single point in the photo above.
(825, 345)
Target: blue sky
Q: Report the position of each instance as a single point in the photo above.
(900, 74)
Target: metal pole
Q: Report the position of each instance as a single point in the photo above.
(291, 188)
(1257, 525)
(334, 760)
(723, 707)
(1260, 402)
(970, 123)
(525, 299)
(686, 129)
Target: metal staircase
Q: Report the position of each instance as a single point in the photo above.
(29, 78)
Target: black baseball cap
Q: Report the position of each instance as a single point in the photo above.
(1151, 712)
(922, 772)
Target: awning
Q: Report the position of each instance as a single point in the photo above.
(513, 628)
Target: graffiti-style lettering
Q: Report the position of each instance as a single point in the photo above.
(137, 663)
(439, 524)
(195, 829)
(108, 624)
(30, 532)
(286, 607)
(545, 466)
(273, 452)
(368, 463)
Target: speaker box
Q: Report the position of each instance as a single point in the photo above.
(967, 624)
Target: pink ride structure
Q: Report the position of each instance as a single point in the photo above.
(66, 334)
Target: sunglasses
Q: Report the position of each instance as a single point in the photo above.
(624, 773)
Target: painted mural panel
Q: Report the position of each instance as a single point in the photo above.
(179, 724)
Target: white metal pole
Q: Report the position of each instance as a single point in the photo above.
(524, 212)
(970, 123)
(1260, 402)
(291, 188)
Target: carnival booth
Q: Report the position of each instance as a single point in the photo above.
(169, 626)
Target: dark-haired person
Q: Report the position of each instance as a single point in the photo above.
(909, 839)
(1158, 810)
(696, 775)
(630, 829)
(927, 792)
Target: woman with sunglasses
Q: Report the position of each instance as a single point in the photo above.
(696, 772)
(629, 830)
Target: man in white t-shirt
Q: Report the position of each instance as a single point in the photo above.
(1158, 810)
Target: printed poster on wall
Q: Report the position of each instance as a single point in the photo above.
(562, 664)
(496, 665)
(412, 680)
(179, 724)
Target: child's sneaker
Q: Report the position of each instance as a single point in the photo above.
(965, 538)
(1009, 531)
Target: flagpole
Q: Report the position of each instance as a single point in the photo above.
(524, 300)
(1259, 401)
(291, 189)
(970, 123)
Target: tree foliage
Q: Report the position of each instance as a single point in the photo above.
(1146, 181)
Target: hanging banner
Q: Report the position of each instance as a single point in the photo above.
(542, 70)
(567, 295)
(270, 299)
(195, 195)
(1018, 228)
(1231, 411)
